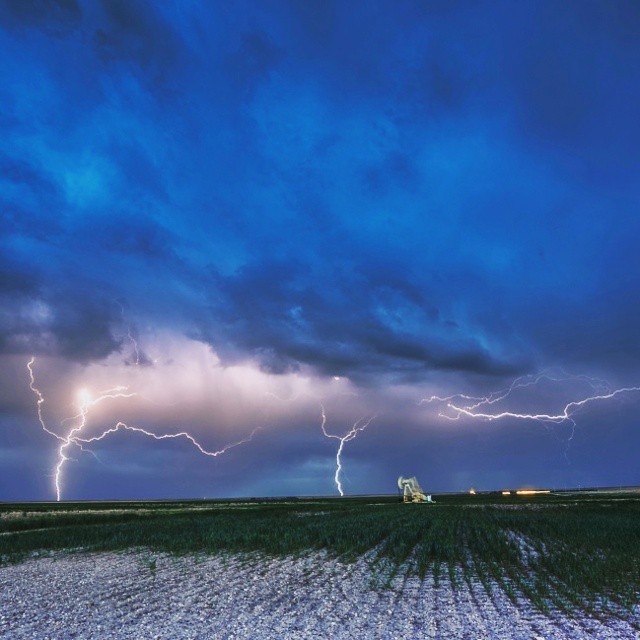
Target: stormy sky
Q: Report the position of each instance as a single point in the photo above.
(293, 204)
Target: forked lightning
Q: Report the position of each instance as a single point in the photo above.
(75, 435)
(359, 425)
(455, 409)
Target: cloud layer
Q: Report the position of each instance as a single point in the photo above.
(406, 196)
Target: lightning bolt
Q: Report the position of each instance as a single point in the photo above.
(134, 344)
(566, 413)
(75, 436)
(475, 407)
(164, 436)
(40, 399)
(360, 425)
(132, 340)
(519, 383)
(72, 437)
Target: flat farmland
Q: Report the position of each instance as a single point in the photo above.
(562, 565)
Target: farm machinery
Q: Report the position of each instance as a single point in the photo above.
(411, 491)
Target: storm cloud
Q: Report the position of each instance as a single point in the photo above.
(402, 195)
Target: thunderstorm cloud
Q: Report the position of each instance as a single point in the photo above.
(288, 203)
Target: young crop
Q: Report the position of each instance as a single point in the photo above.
(561, 552)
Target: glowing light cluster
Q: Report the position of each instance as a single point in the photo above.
(359, 426)
(75, 437)
(532, 492)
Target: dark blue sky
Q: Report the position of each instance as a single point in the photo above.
(356, 203)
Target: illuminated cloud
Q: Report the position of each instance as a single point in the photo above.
(303, 202)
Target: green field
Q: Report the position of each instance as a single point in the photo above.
(562, 551)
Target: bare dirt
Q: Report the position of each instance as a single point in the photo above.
(143, 594)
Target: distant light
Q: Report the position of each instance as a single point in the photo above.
(336, 378)
(472, 492)
(506, 493)
(531, 492)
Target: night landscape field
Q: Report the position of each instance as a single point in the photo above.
(566, 562)
(319, 319)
